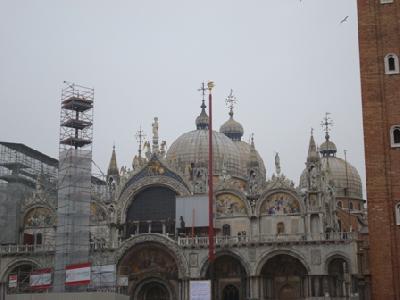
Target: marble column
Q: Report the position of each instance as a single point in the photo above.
(254, 287)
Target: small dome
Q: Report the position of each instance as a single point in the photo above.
(232, 129)
(192, 148)
(337, 170)
(202, 119)
(328, 148)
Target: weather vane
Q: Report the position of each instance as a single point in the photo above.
(326, 124)
(139, 138)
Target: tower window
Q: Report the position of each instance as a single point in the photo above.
(395, 136)
(397, 213)
(391, 64)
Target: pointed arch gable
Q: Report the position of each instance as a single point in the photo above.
(127, 196)
(289, 197)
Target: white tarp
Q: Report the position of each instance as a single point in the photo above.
(103, 275)
(192, 207)
(200, 290)
(77, 274)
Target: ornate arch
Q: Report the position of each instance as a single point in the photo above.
(169, 245)
(268, 255)
(238, 195)
(16, 263)
(132, 188)
(31, 208)
(264, 197)
(205, 263)
(137, 287)
(337, 254)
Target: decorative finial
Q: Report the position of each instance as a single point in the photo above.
(210, 85)
(139, 138)
(230, 101)
(252, 139)
(326, 124)
(312, 131)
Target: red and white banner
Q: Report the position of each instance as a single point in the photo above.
(77, 274)
(12, 281)
(40, 279)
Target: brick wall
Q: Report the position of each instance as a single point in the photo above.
(378, 36)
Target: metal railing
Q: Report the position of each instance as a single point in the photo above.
(271, 238)
(11, 249)
(201, 241)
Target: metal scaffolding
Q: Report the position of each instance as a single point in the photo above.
(74, 180)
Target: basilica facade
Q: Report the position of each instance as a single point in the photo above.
(274, 240)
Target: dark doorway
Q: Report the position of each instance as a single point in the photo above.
(155, 291)
(230, 292)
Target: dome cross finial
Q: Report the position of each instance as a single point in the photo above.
(230, 101)
(327, 123)
(140, 135)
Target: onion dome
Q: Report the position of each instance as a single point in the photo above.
(232, 128)
(328, 148)
(202, 119)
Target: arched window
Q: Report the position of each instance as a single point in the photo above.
(391, 64)
(226, 230)
(39, 239)
(395, 136)
(280, 228)
(339, 204)
(397, 213)
(351, 205)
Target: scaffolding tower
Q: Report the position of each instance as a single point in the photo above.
(74, 181)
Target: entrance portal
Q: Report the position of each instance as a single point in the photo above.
(154, 291)
(284, 278)
(230, 292)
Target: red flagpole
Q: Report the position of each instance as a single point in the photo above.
(211, 254)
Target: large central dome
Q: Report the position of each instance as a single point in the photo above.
(192, 148)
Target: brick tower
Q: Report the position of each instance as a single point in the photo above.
(379, 41)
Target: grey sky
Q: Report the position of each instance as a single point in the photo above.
(287, 61)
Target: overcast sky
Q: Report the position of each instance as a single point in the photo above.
(288, 62)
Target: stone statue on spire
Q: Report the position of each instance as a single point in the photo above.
(277, 164)
(155, 135)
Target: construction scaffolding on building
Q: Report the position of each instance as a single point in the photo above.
(22, 164)
(20, 169)
(74, 181)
